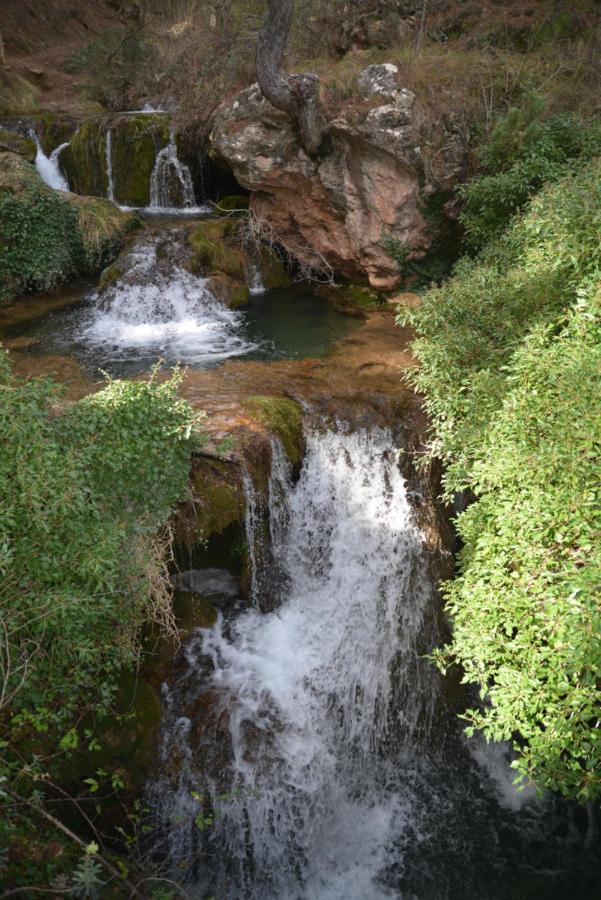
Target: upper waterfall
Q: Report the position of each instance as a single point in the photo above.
(171, 182)
(48, 167)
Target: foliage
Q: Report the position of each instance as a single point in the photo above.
(523, 153)
(112, 63)
(46, 237)
(510, 366)
(84, 491)
(39, 239)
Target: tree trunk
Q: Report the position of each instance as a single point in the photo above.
(297, 95)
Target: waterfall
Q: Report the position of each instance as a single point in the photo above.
(256, 285)
(170, 177)
(109, 165)
(157, 308)
(48, 167)
(306, 689)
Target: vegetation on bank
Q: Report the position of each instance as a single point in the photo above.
(510, 367)
(86, 491)
(47, 237)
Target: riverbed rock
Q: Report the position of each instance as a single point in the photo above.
(232, 293)
(333, 211)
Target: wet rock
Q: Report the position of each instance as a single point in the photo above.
(229, 291)
(12, 142)
(218, 586)
(336, 208)
(216, 251)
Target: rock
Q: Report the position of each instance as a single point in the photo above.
(337, 208)
(12, 142)
(229, 291)
(407, 299)
(378, 79)
(216, 251)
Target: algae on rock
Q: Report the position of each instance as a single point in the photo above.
(284, 417)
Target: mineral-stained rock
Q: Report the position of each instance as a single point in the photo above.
(334, 210)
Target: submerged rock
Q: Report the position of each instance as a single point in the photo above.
(335, 209)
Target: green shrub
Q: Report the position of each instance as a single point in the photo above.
(522, 154)
(84, 491)
(510, 366)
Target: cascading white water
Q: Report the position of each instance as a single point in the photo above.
(256, 284)
(109, 165)
(167, 171)
(306, 689)
(49, 167)
(155, 308)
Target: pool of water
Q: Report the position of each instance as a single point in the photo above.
(172, 316)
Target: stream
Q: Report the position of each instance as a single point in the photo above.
(308, 749)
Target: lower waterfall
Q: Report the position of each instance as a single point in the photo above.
(300, 755)
(48, 166)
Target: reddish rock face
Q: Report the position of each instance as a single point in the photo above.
(333, 210)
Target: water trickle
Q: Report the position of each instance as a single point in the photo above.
(109, 165)
(49, 167)
(171, 183)
(256, 284)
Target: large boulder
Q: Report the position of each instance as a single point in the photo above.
(334, 210)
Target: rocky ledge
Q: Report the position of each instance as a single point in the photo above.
(335, 209)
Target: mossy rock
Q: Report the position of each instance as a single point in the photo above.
(273, 272)
(284, 417)
(110, 275)
(84, 160)
(230, 292)
(214, 254)
(218, 498)
(232, 202)
(192, 611)
(128, 739)
(17, 95)
(361, 296)
(136, 140)
(11, 142)
(47, 237)
(102, 227)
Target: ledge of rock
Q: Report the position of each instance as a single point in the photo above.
(336, 208)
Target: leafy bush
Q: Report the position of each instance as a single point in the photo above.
(84, 491)
(510, 366)
(522, 154)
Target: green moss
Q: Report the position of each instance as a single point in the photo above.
(285, 418)
(11, 142)
(218, 498)
(109, 275)
(232, 202)
(213, 253)
(135, 143)
(17, 95)
(233, 293)
(193, 611)
(273, 271)
(84, 160)
(361, 296)
(46, 237)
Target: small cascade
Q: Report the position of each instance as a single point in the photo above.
(157, 308)
(109, 165)
(256, 285)
(49, 167)
(171, 183)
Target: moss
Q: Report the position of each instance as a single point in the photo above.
(232, 202)
(284, 417)
(218, 498)
(11, 142)
(232, 293)
(193, 611)
(273, 271)
(214, 254)
(361, 296)
(84, 160)
(17, 95)
(47, 237)
(135, 143)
